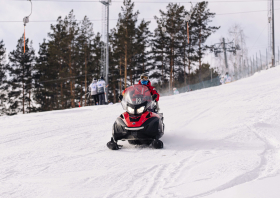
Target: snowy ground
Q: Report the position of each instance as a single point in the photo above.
(221, 142)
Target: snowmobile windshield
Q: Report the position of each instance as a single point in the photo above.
(135, 98)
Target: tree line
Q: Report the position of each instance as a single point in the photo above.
(59, 75)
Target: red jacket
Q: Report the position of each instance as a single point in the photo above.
(150, 87)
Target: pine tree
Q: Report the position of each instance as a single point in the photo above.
(117, 62)
(3, 78)
(44, 80)
(172, 20)
(141, 58)
(2, 62)
(20, 71)
(64, 56)
(71, 53)
(159, 56)
(202, 17)
(126, 28)
(57, 63)
(84, 46)
(65, 64)
(188, 47)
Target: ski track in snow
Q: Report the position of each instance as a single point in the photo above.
(215, 139)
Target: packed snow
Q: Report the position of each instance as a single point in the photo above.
(220, 142)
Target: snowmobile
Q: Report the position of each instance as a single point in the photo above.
(140, 124)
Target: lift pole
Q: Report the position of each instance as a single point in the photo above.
(105, 32)
(273, 36)
(225, 53)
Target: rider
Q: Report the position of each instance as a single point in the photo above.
(144, 80)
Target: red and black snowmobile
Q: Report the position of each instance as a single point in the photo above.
(140, 124)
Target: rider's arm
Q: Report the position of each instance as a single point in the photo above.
(154, 91)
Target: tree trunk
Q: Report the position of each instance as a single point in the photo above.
(29, 101)
(125, 59)
(162, 68)
(199, 73)
(130, 74)
(172, 62)
(61, 89)
(125, 65)
(71, 82)
(199, 50)
(189, 67)
(144, 69)
(120, 66)
(171, 69)
(189, 71)
(114, 92)
(81, 98)
(185, 78)
(85, 77)
(23, 90)
(23, 98)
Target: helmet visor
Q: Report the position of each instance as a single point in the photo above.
(144, 77)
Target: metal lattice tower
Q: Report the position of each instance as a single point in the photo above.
(271, 32)
(104, 38)
(105, 47)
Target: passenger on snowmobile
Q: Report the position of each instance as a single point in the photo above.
(144, 80)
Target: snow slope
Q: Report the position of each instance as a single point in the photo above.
(220, 142)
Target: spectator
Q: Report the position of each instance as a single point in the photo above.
(101, 90)
(175, 91)
(227, 78)
(93, 91)
(222, 81)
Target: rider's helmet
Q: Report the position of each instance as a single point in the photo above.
(174, 89)
(144, 78)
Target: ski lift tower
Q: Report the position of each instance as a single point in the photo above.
(271, 37)
(105, 39)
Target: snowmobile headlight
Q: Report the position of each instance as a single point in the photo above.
(140, 110)
(130, 110)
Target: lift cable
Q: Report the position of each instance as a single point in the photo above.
(50, 21)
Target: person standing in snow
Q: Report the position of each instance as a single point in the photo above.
(227, 78)
(101, 90)
(175, 91)
(222, 81)
(93, 91)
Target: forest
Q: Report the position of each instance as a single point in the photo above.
(58, 75)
